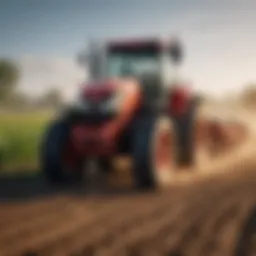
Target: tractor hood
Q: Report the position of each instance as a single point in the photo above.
(106, 88)
(98, 90)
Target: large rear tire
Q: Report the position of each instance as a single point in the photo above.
(151, 152)
(53, 149)
(184, 127)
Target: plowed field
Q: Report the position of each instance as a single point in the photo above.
(208, 216)
(203, 218)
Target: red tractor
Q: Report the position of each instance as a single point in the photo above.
(130, 106)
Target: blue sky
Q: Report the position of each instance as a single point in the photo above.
(219, 36)
(59, 27)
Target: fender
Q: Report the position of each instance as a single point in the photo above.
(101, 139)
(132, 99)
(179, 100)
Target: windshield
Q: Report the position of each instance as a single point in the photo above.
(122, 64)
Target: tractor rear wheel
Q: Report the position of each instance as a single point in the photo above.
(184, 130)
(151, 152)
(58, 163)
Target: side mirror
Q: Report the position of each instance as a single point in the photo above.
(176, 52)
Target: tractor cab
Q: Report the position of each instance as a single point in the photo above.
(150, 62)
(134, 58)
(149, 57)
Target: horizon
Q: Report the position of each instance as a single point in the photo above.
(45, 37)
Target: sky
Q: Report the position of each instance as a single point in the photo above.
(44, 37)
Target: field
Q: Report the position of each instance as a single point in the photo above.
(204, 212)
(20, 135)
(204, 218)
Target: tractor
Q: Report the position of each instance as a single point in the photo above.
(131, 105)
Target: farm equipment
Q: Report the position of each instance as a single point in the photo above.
(130, 106)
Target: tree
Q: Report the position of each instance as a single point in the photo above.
(9, 75)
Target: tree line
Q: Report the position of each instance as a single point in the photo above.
(9, 95)
(10, 75)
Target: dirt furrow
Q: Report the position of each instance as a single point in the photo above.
(151, 228)
(158, 217)
(227, 238)
(122, 219)
(203, 218)
(64, 227)
(195, 223)
(41, 222)
(209, 227)
(22, 213)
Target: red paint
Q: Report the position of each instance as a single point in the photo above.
(90, 141)
(179, 100)
(70, 157)
(98, 91)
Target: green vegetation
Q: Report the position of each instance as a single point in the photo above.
(9, 76)
(22, 123)
(20, 135)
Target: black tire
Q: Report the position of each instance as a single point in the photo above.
(184, 131)
(143, 171)
(105, 165)
(53, 143)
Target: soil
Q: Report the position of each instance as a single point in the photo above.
(212, 215)
(206, 217)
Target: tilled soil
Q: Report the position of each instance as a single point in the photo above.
(215, 215)
(204, 218)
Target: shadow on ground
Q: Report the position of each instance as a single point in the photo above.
(23, 186)
(29, 186)
(246, 244)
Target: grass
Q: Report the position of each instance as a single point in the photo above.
(20, 135)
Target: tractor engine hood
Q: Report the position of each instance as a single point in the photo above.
(111, 100)
(97, 101)
(98, 90)
(102, 96)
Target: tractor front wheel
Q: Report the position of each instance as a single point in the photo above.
(152, 152)
(58, 162)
